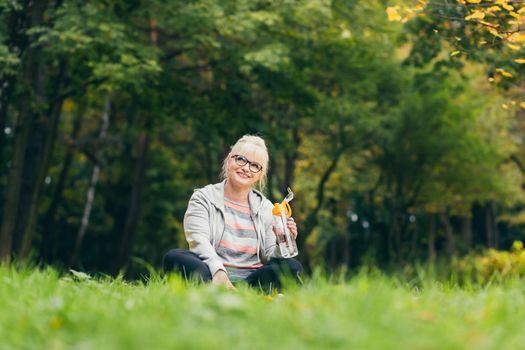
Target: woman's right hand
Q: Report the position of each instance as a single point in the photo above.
(221, 279)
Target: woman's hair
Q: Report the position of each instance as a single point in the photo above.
(249, 143)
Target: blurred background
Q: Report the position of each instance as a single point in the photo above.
(398, 125)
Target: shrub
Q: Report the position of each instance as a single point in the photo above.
(492, 265)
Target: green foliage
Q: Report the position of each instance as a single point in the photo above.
(493, 265)
(361, 116)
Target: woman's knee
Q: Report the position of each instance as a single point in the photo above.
(294, 266)
(288, 266)
(186, 263)
(171, 258)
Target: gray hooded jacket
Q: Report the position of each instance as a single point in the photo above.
(204, 225)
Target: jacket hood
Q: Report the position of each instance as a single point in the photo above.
(215, 194)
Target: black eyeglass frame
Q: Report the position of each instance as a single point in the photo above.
(241, 160)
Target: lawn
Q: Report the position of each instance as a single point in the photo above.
(45, 310)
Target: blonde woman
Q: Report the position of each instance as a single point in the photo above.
(229, 226)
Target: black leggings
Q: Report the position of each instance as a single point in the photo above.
(268, 276)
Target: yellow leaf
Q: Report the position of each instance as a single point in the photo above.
(504, 72)
(454, 53)
(504, 4)
(392, 14)
(473, 1)
(516, 38)
(476, 14)
(486, 23)
(68, 105)
(55, 322)
(494, 32)
(408, 17)
(522, 104)
(520, 60)
(514, 14)
(482, 42)
(504, 106)
(514, 47)
(494, 9)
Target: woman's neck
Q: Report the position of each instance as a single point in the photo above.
(235, 193)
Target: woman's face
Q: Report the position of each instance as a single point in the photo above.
(242, 169)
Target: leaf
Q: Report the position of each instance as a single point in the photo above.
(392, 14)
(507, 6)
(473, 1)
(516, 38)
(520, 60)
(82, 276)
(494, 32)
(522, 104)
(477, 14)
(504, 72)
(454, 53)
(493, 9)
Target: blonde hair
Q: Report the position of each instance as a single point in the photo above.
(245, 144)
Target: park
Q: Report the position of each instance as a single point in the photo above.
(399, 125)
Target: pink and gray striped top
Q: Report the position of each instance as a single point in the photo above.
(238, 246)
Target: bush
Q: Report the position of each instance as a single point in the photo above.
(493, 265)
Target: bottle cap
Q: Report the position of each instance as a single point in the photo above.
(277, 207)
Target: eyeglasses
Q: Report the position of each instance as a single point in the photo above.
(241, 160)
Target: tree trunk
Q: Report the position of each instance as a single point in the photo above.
(6, 91)
(466, 231)
(346, 250)
(14, 184)
(48, 137)
(333, 253)
(124, 249)
(312, 220)
(90, 196)
(291, 159)
(50, 236)
(432, 239)
(17, 42)
(491, 225)
(449, 234)
(30, 15)
(271, 181)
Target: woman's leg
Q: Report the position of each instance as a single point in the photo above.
(269, 275)
(187, 264)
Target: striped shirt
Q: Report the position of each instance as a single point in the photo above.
(238, 246)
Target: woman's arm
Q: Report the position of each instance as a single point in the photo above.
(197, 231)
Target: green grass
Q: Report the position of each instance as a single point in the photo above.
(42, 310)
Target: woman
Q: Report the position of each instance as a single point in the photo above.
(229, 226)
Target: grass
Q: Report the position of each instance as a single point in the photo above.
(41, 310)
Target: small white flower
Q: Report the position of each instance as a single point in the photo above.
(56, 303)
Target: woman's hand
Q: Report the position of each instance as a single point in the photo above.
(221, 279)
(292, 226)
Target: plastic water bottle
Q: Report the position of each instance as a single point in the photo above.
(281, 212)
